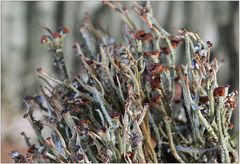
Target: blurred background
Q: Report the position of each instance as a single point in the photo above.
(22, 52)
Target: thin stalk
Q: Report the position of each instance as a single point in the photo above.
(156, 131)
(224, 150)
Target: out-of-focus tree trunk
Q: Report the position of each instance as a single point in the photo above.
(69, 20)
(227, 26)
(14, 44)
(22, 54)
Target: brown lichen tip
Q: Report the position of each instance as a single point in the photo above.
(31, 149)
(156, 69)
(27, 98)
(130, 155)
(39, 70)
(210, 44)
(56, 35)
(155, 100)
(144, 37)
(221, 91)
(63, 30)
(231, 126)
(102, 130)
(152, 53)
(231, 102)
(165, 50)
(84, 122)
(203, 99)
(114, 115)
(156, 83)
(45, 39)
(25, 115)
(175, 41)
(182, 31)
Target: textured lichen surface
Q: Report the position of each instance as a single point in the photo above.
(130, 101)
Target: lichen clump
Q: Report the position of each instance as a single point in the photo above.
(131, 102)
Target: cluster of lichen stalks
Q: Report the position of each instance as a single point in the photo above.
(130, 102)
